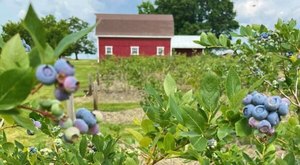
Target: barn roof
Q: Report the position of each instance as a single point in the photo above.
(186, 41)
(152, 25)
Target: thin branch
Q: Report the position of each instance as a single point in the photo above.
(12, 126)
(36, 88)
(44, 113)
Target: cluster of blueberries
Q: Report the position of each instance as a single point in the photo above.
(265, 112)
(62, 75)
(85, 123)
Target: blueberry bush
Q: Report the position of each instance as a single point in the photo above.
(237, 109)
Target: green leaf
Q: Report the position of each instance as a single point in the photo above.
(145, 141)
(169, 85)
(35, 28)
(34, 58)
(19, 145)
(242, 128)
(83, 146)
(223, 40)
(223, 132)
(246, 31)
(8, 147)
(15, 86)
(212, 39)
(147, 125)
(193, 120)
(98, 142)
(1, 42)
(135, 134)
(233, 83)
(187, 97)
(70, 39)
(169, 142)
(175, 110)
(198, 142)
(290, 158)
(210, 91)
(25, 122)
(204, 40)
(13, 55)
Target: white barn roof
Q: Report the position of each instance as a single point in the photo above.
(186, 41)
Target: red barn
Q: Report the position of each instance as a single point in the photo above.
(127, 35)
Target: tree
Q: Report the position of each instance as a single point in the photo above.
(84, 45)
(195, 16)
(54, 31)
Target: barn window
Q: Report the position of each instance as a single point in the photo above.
(108, 50)
(160, 50)
(134, 50)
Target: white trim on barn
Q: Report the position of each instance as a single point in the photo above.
(132, 52)
(98, 53)
(160, 52)
(129, 36)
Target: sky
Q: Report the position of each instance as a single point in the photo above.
(248, 11)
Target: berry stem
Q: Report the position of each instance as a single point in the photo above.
(12, 126)
(36, 88)
(44, 113)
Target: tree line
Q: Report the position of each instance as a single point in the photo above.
(55, 31)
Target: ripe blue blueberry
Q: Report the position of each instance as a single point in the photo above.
(247, 111)
(32, 150)
(247, 100)
(94, 130)
(273, 118)
(61, 94)
(272, 103)
(264, 35)
(258, 99)
(81, 125)
(264, 126)
(259, 112)
(46, 74)
(253, 93)
(80, 112)
(71, 84)
(283, 109)
(87, 116)
(63, 66)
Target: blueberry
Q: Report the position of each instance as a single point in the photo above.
(283, 109)
(71, 134)
(71, 84)
(63, 66)
(87, 116)
(253, 93)
(253, 122)
(212, 143)
(247, 100)
(94, 130)
(272, 103)
(258, 99)
(81, 111)
(89, 119)
(273, 118)
(37, 124)
(259, 112)
(61, 94)
(29, 132)
(66, 123)
(286, 101)
(81, 125)
(247, 111)
(264, 35)
(46, 74)
(32, 150)
(98, 115)
(56, 110)
(264, 126)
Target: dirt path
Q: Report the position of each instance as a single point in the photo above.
(123, 117)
